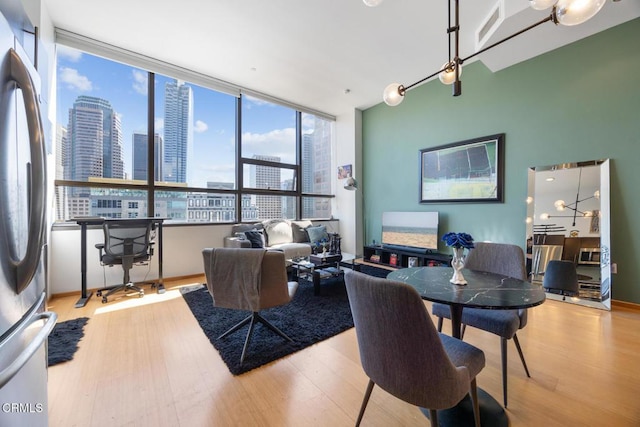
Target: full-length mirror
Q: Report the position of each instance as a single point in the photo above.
(568, 239)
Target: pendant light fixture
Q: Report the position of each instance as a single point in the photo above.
(563, 12)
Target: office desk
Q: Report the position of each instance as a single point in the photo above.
(483, 290)
(92, 220)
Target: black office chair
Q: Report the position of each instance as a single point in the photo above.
(126, 243)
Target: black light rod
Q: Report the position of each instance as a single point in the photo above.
(530, 27)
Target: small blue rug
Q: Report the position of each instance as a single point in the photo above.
(63, 340)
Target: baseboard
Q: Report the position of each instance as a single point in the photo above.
(165, 280)
(625, 304)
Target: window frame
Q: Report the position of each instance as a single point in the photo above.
(240, 190)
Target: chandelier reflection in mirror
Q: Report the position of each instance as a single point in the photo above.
(561, 206)
(563, 12)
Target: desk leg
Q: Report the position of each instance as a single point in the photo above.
(84, 297)
(160, 289)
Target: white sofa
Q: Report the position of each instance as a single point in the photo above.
(291, 237)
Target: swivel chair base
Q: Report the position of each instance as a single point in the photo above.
(253, 319)
(128, 287)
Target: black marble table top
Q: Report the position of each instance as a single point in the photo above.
(483, 290)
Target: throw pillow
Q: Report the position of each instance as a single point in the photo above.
(317, 233)
(278, 231)
(255, 237)
(300, 234)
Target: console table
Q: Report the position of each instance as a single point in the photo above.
(402, 257)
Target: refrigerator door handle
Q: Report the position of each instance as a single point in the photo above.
(34, 345)
(25, 268)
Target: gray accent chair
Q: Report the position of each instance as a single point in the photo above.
(560, 277)
(227, 284)
(401, 351)
(499, 258)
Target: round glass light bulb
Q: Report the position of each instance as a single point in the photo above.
(529, 220)
(448, 76)
(541, 4)
(529, 200)
(575, 12)
(372, 3)
(596, 194)
(559, 204)
(544, 216)
(393, 94)
(588, 214)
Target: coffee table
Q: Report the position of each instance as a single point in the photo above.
(303, 268)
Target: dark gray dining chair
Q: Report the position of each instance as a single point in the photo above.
(498, 258)
(401, 351)
(560, 277)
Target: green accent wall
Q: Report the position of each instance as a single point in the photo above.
(576, 103)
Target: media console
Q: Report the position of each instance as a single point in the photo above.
(378, 254)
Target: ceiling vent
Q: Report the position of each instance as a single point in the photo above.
(490, 25)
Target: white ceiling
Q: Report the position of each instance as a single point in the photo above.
(311, 52)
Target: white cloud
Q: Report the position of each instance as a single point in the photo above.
(74, 80)
(200, 126)
(278, 142)
(159, 124)
(68, 53)
(249, 100)
(140, 82)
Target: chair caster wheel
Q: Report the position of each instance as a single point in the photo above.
(104, 300)
(141, 294)
(99, 293)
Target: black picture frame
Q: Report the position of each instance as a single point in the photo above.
(463, 171)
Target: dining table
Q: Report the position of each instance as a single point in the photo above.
(483, 290)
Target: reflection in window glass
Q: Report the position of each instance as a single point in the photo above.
(316, 165)
(268, 131)
(316, 207)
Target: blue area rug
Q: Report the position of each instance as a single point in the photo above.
(307, 319)
(63, 340)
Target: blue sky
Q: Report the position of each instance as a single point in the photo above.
(267, 128)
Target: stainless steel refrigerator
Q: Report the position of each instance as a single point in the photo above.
(24, 322)
(546, 247)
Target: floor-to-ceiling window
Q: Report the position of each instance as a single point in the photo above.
(216, 157)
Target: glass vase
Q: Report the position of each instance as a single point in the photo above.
(458, 264)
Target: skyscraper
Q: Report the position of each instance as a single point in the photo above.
(267, 177)
(140, 150)
(178, 130)
(94, 141)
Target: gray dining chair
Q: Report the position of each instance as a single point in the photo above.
(401, 351)
(498, 258)
(560, 277)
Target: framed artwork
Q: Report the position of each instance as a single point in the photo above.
(464, 171)
(344, 171)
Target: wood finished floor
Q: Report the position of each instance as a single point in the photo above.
(146, 362)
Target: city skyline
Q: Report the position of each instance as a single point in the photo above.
(195, 145)
(214, 115)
